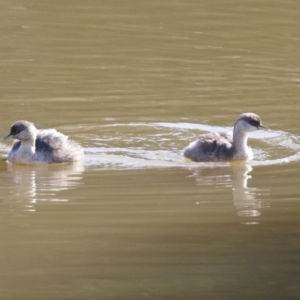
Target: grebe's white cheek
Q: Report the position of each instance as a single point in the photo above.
(16, 136)
(251, 128)
(19, 136)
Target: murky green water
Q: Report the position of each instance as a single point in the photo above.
(134, 83)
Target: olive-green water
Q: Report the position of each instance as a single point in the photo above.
(134, 82)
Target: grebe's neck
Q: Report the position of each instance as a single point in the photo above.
(30, 143)
(239, 145)
(26, 150)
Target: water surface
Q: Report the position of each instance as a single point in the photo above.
(134, 83)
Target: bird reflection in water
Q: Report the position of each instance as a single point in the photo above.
(37, 183)
(246, 200)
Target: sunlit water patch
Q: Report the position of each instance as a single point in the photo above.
(152, 145)
(160, 145)
(157, 145)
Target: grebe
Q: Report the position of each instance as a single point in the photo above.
(41, 146)
(225, 145)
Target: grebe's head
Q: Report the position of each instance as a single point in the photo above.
(22, 130)
(249, 122)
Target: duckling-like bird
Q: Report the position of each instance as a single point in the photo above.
(225, 145)
(41, 146)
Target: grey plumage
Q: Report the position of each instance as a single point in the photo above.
(210, 146)
(225, 145)
(41, 146)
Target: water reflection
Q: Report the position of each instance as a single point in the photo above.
(246, 200)
(34, 183)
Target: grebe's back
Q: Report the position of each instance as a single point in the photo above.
(226, 145)
(41, 146)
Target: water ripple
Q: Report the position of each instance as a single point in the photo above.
(160, 145)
